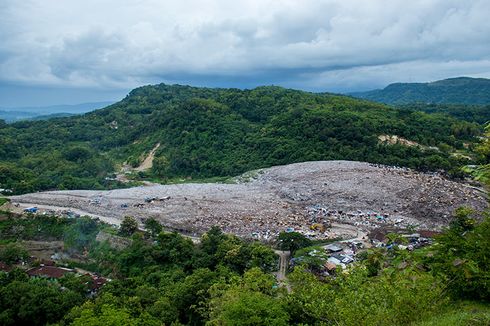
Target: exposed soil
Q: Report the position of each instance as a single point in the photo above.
(148, 161)
(43, 249)
(394, 139)
(145, 165)
(347, 197)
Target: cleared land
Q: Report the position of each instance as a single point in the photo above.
(347, 197)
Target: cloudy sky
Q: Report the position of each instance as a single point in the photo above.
(73, 51)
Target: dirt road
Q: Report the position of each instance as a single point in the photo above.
(283, 267)
(148, 161)
(283, 264)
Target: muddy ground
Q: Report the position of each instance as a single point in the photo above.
(352, 197)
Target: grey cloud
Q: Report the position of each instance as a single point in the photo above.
(378, 76)
(94, 51)
(330, 44)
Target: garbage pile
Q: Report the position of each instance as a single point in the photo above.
(369, 219)
(409, 242)
(321, 200)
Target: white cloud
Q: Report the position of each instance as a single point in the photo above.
(308, 44)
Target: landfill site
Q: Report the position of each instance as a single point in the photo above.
(324, 199)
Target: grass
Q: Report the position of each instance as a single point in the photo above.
(197, 180)
(178, 180)
(465, 313)
(247, 176)
(3, 201)
(109, 229)
(138, 179)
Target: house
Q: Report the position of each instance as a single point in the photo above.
(333, 247)
(96, 282)
(334, 260)
(346, 259)
(49, 271)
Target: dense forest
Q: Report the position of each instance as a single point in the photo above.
(161, 278)
(207, 132)
(471, 113)
(461, 90)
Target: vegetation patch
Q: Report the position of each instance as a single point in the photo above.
(3, 201)
(217, 133)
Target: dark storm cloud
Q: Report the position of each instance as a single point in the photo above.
(333, 44)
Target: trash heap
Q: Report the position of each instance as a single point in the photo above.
(322, 200)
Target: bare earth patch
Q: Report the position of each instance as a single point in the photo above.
(394, 139)
(148, 161)
(347, 197)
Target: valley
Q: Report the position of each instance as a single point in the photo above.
(247, 163)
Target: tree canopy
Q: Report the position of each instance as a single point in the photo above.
(207, 133)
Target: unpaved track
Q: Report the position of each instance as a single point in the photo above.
(148, 161)
(283, 264)
(105, 219)
(279, 197)
(283, 267)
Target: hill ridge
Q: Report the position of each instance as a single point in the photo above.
(210, 132)
(457, 90)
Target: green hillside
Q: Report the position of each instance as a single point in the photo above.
(472, 113)
(462, 90)
(160, 278)
(220, 132)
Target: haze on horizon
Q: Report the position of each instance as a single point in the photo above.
(69, 52)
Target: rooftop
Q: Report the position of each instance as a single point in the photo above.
(49, 271)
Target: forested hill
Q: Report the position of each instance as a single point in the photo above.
(206, 132)
(462, 90)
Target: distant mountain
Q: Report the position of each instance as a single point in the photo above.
(52, 116)
(13, 114)
(461, 90)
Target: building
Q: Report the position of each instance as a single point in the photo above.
(49, 271)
